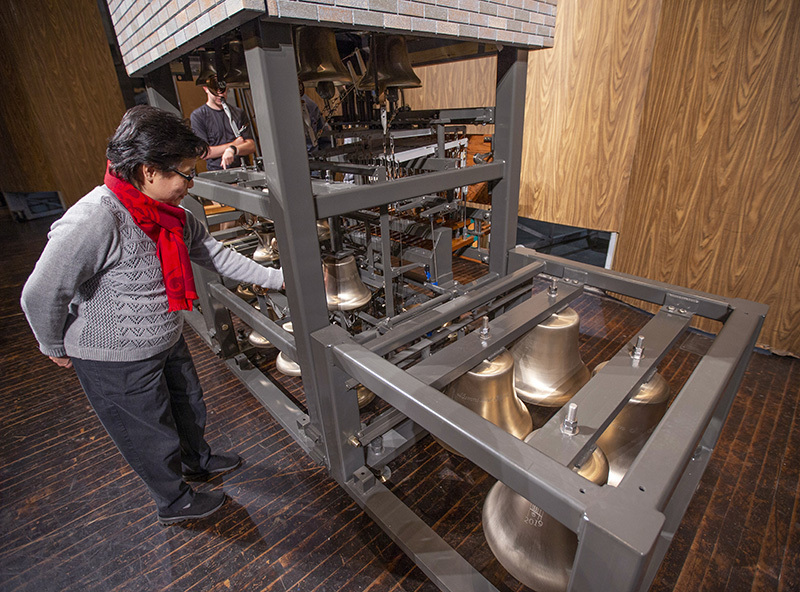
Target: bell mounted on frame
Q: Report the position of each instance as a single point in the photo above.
(236, 72)
(488, 390)
(344, 289)
(208, 72)
(549, 369)
(533, 546)
(318, 58)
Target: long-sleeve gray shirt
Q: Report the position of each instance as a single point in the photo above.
(97, 291)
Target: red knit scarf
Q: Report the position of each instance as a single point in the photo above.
(164, 224)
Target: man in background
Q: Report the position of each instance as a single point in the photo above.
(224, 128)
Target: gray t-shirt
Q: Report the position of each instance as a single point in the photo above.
(212, 125)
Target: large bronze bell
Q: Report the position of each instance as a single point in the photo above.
(398, 65)
(392, 63)
(344, 289)
(284, 364)
(236, 72)
(208, 73)
(376, 66)
(549, 369)
(318, 58)
(625, 437)
(533, 546)
(488, 390)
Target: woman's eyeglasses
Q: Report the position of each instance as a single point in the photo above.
(191, 175)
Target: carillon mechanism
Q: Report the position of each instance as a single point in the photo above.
(488, 390)
(534, 547)
(549, 369)
(410, 266)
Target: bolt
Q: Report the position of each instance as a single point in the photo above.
(224, 327)
(553, 289)
(570, 425)
(376, 446)
(638, 349)
(354, 441)
(484, 332)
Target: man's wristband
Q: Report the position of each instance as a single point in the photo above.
(235, 149)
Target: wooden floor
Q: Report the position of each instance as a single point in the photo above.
(74, 517)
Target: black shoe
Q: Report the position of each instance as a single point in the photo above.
(203, 504)
(217, 464)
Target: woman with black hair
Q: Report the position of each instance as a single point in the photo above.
(105, 298)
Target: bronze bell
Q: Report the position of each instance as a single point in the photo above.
(533, 546)
(267, 249)
(377, 65)
(488, 390)
(549, 369)
(365, 396)
(344, 288)
(284, 364)
(399, 72)
(236, 72)
(207, 69)
(323, 230)
(318, 58)
(625, 437)
(258, 340)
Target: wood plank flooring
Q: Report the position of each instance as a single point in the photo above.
(73, 516)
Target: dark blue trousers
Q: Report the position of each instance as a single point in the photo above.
(154, 412)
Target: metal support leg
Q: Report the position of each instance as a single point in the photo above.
(512, 71)
(273, 81)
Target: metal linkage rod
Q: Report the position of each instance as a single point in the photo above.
(451, 362)
(371, 196)
(432, 319)
(278, 336)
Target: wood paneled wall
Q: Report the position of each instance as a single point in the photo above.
(714, 198)
(583, 107)
(61, 98)
(469, 83)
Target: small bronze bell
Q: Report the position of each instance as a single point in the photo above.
(285, 364)
(533, 546)
(549, 369)
(488, 390)
(365, 396)
(344, 288)
(625, 437)
(258, 340)
(267, 248)
(323, 230)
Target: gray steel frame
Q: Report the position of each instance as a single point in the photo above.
(624, 531)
